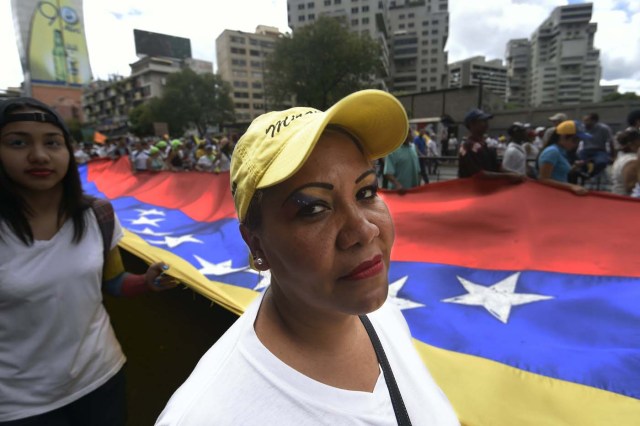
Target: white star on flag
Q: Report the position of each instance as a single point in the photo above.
(173, 242)
(143, 220)
(149, 231)
(496, 299)
(401, 303)
(217, 269)
(144, 212)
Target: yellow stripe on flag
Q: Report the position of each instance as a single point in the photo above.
(485, 392)
(233, 298)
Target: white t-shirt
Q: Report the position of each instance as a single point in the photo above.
(56, 340)
(240, 382)
(207, 162)
(140, 159)
(515, 158)
(622, 160)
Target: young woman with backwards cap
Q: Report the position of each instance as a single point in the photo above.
(60, 362)
(305, 192)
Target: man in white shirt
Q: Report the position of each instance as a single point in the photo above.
(515, 157)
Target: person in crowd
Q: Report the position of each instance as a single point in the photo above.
(60, 362)
(633, 119)
(624, 172)
(515, 156)
(155, 162)
(140, 155)
(538, 140)
(433, 155)
(555, 120)
(599, 149)
(175, 160)
(475, 154)
(164, 148)
(402, 167)
(224, 150)
(306, 197)
(121, 149)
(209, 162)
(420, 143)
(501, 147)
(79, 154)
(553, 162)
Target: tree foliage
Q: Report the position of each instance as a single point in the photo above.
(189, 100)
(628, 96)
(320, 64)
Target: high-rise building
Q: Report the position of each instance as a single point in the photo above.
(518, 66)
(565, 65)
(412, 34)
(419, 33)
(240, 61)
(477, 71)
(362, 16)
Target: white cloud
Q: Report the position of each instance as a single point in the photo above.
(476, 28)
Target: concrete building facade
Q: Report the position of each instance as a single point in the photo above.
(411, 33)
(477, 71)
(240, 61)
(419, 33)
(518, 57)
(565, 65)
(107, 103)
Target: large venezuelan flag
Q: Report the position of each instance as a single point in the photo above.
(524, 300)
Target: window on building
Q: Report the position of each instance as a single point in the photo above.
(253, 41)
(311, 17)
(239, 40)
(301, 18)
(401, 26)
(256, 85)
(257, 96)
(311, 5)
(258, 106)
(243, 95)
(365, 8)
(365, 20)
(327, 2)
(412, 15)
(410, 25)
(238, 51)
(254, 52)
(301, 6)
(256, 64)
(354, 22)
(401, 16)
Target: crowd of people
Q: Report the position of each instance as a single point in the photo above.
(210, 154)
(568, 154)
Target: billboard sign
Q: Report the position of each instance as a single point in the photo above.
(156, 44)
(52, 41)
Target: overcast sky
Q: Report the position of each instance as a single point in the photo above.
(476, 28)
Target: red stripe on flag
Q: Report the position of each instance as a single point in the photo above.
(490, 224)
(204, 197)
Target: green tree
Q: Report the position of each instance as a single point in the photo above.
(191, 99)
(142, 117)
(627, 96)
(320, 64)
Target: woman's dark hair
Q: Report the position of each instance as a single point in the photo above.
(14, 210)
(553, 140)
(628, 136)
(253, 218)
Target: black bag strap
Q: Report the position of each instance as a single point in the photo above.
(103, 210)
(402, 416)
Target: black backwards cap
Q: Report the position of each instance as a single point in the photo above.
(45, 114)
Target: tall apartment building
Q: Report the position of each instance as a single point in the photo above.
(476, 71)
(419, 33)
(412, 34)
(361, 16)
(108, 103)
(518, 66)
(565, 65)
(240, 61)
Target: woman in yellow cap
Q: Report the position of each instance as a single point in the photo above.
(320, 345)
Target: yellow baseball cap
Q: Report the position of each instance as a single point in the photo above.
(277, 144)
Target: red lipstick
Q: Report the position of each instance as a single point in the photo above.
(40, 172)
(366, 269)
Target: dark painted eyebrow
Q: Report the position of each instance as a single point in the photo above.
(29, 134)
(322, 185)
(365, 174)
